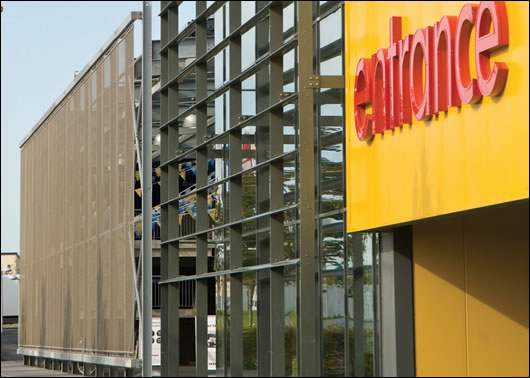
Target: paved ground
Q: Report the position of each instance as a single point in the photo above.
(9, 343)
(12, 363)
(17, 369)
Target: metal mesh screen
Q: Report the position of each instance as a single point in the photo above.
(77, 185)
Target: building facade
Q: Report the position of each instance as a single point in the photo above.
(10, 262)
(356, 190)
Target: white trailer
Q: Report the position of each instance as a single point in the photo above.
(9, 296)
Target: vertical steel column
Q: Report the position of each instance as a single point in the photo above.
(276, 121)
(235, 211)
(171, 322)
(397, 304)
(309, 356)
(263, 193)
(164, 213)
(201, 260)
(146, 191)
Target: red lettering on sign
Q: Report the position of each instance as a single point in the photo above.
(405, 115)
(491, 82)
(380, 82)
(445, 94)
(362, 98)
(393, 60)
(429, 72)
(467, 86)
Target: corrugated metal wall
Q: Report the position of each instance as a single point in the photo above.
(77, 185)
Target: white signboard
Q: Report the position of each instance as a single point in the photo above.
(156, 335)
(211, 342)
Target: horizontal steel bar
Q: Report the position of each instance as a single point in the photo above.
(247, 122)
(188, 29)
(240, 221)
(239, 78)
(255, 231)
(329, 81)
(187, 70)
(214, 7)
(82, 357)
(81, 350)
(338, 4)
(206, 56)
(222, 181)
(243, 269)
(170, 4)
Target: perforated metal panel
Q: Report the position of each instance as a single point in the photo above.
(77, 185)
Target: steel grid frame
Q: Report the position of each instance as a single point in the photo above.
(268, 172)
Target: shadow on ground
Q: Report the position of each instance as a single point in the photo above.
(9, 344)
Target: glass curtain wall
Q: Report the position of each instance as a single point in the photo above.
(348, 267)
(230, 188)
(228, 166)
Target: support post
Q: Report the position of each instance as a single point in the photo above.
(146, 191)
(397, 303)
(309, 357)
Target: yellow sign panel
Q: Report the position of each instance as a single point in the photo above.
(468, 156)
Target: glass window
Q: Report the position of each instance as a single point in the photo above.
(362, 252)
(220, 319)
(186, 14)
(330, 44)
(250, 322)
(248, 9)
(289, 20)
(221, 24)
(332, 296)
(221, 67)
(248, 96)
(291, 320)
(289, 74)
(331, 186)
(249, 194)
(248, 48)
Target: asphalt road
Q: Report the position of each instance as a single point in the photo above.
(9, 344)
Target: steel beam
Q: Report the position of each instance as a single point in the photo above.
(309, 363)
(147, 203)
(397, 307)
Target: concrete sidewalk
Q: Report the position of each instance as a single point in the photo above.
(18, 369)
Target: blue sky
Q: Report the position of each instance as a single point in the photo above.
(43, 44)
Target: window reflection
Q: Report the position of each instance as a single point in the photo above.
(332, 296)
(186, 52)
(290, 311)
(249, 194)
(248, 48)
(331, 168)
(289, 71)
(220, 320)
(221, 24)
(362, 248)
(331, 156)
(330, 44)
(289, 18)
(250, 322)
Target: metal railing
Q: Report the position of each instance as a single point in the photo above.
(187, 293)
(155, 233)
(156, 292)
